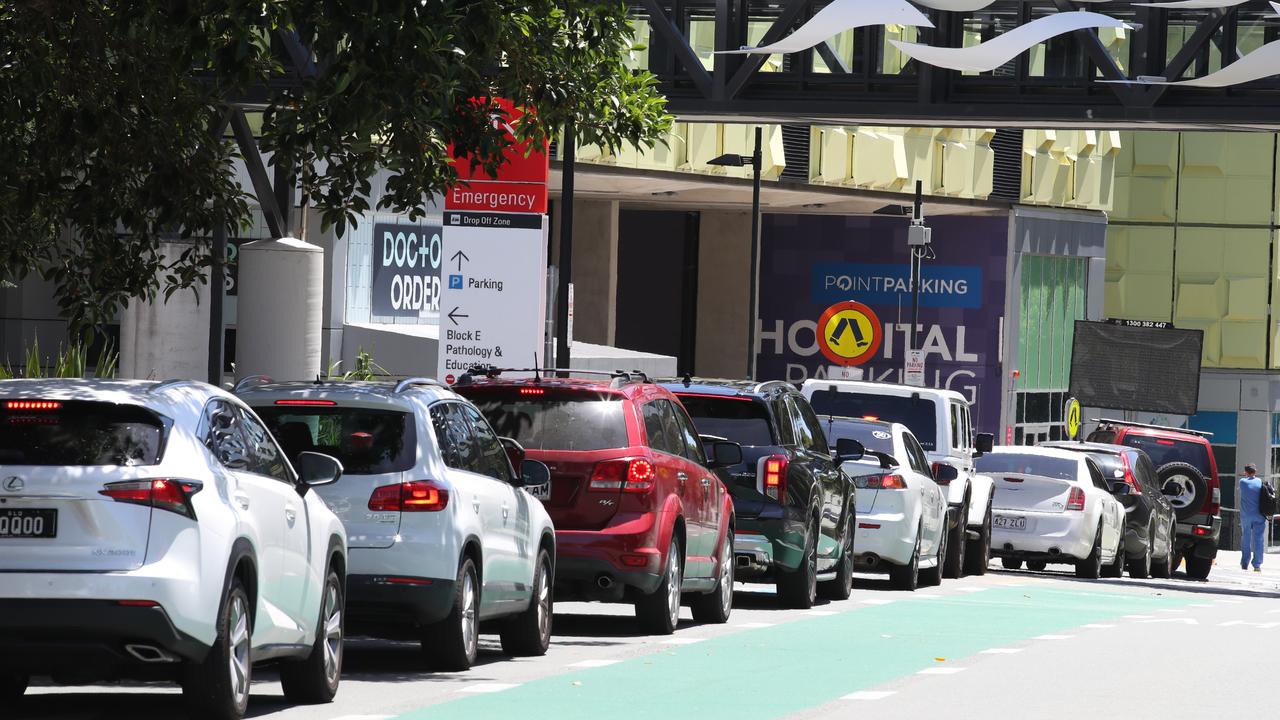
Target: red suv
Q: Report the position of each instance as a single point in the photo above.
(640, 515)
(1188, 476)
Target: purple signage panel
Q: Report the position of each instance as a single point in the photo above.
(808, 262)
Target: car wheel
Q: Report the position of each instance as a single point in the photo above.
(529, 633)
(315, 680)
(955, 543)
(1011, 563)
(1116, 567)
(978, 554)
(1185, 487)
(933, 576)
(12, 687)
(1198, 568)
(716, 606)
(659, 611)
(218, 688)
(451, 644)
(1090, 568)
(907, 577)
(1163, 568)
(1141, 568)
(799, 588)
(842, 587)
(1037, 565)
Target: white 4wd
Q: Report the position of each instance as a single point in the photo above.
(444, 533)
(157, 529)
(940, 421)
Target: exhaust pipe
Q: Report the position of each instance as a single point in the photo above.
(1054, 551)
(604, 582)
(149, 654)
(743, 561)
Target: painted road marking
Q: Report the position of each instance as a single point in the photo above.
(869, 695)
(876, 601)
(925, 596)
(940, 671)
(1204, 605)
(752, 625)
(1001, 651)
(1185, 621)
(820, 613)
(682, 641)
(970, 589)
(1138, 617)
(1172, 610)
(594, 663)
(364, 717)
(485, 688)
(1264, 626)
(1053, 637)
(1098, 626)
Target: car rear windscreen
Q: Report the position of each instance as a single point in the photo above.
(552, 420)
(875, 438)
(1027, 464)
(919, 414)
(44, 432)
(1148, 369)
(366, 441)
(741, 420)
(1163, 451)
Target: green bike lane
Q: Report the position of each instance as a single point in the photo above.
(769, 672)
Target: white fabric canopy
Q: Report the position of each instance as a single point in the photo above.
(837, 17)
(1006, 46)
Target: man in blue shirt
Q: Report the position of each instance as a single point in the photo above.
(1252, 524)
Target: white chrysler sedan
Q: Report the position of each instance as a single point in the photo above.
(1054, 506)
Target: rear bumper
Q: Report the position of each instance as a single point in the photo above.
(1053, 537)
(894, 541)
(764, 545)
(1199, 536)
(626, 552)
(378, 606)
(89, 638)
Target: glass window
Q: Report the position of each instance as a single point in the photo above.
(553, 420)
(915, 453)
(807, 425)
(490, 457)
(743, 420)
(364, 440)
(874, 436)
(264, 456)
(1163, 451)
(81, 433)
(451, 435)
(1095, 474)
(1147, 476)
(692, 443)
(956, 427)
(659, 426)
(1028, 464)
(919, 414)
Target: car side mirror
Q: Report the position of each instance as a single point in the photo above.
(535, 477)
(945, 473)
(723, 454)
(1120, 488)
(983, 443)
(849, 449)
(515, 451)
(318, 469)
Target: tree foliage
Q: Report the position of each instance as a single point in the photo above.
(108, 104)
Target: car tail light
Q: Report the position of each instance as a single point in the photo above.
(533, 391)
(1129, 479)
(137, 603)
(868, 526)
(1075, 501)
(1201, 530)
(416, 496)
(161, 493)
(635, 475)
(881, 482)
(33, 405)
(774, 476)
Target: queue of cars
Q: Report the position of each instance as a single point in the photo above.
(177, 531)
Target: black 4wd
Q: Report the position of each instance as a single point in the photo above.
(794, 505)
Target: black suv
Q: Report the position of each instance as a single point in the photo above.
(794, 505)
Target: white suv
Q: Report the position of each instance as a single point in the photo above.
(156, 529)
(940, 421)
(444, 533)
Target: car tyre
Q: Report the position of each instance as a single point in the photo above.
(907, 577)
(659, 611)
(1115, 568)
(842, 587)
(1090, 568)
(1163, 568)
(933, 576)
(977, 558)
(529, 633)
(798, 589)
(1141, 568)
(953, 560)
(1009, 563)
(218, 688)
(716, 606)
(12, 687)
(1037, 565)
(315, 680)
(451, 645)
(1198, 568)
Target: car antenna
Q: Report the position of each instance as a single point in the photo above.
(688, 378)
(318, 379)
(537, 372)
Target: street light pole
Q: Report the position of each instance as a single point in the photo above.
(917, 220)
(753, 303)
(569, 141)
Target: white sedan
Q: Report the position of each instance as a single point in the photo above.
(902, 513)
(1054, 506)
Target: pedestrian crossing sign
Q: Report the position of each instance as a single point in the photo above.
(849, 333)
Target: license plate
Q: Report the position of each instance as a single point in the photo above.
(540, 492)
(28, 523)
(1009, 522)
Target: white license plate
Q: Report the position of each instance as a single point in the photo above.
(1009, 522)
(540, 492)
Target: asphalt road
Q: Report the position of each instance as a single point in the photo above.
(1010, 644)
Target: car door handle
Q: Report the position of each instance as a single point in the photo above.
(242, 500)
(290, 514)
(682, 476)
(475, 505)
(706, 482)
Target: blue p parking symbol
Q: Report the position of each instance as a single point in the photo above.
(455, 282)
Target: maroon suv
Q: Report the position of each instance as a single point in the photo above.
(640, 514)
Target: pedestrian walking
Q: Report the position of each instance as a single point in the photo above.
(1253, 523)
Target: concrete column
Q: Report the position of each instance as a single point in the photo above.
(595, 269)
(166, 340)
(334, 302)
(724, 265)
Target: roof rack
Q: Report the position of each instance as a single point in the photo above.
(1127, 423)
(413, 382)
(619, 376)
(247, 382)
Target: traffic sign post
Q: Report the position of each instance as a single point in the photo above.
(914, 370)
(849, 333)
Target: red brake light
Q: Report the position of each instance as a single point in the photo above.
(1134, 487)
(872, 418)
(892, 482)
(774, 476)
(1075, 501)
(1164, 442)
(627, 475)
(416, 496)
(307, 403)
(165, 494)
(137, 603)
(33, 405)
(1201, 530)
(640, 475)
(533, 391)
